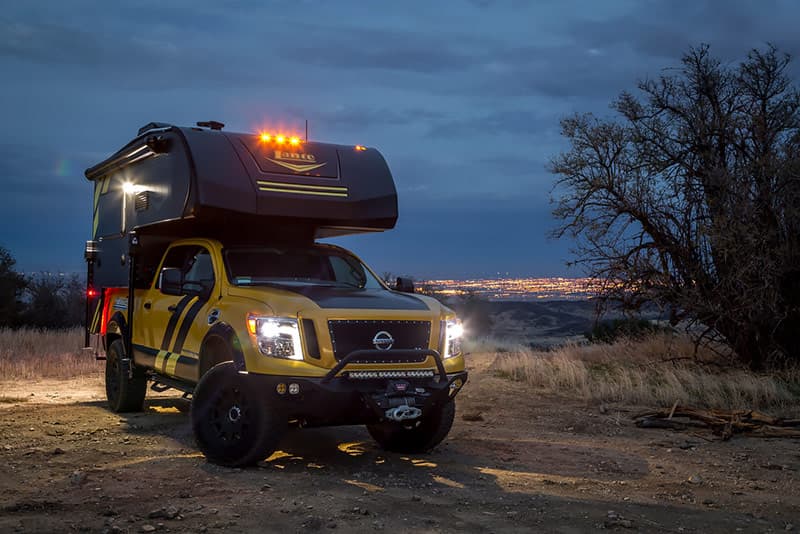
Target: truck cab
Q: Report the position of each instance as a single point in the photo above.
(231, 298)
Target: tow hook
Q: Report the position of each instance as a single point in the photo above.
(403, 413)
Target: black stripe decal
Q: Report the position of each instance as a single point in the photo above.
(146, 350)
(173, 321)
(187, 324)
(186, 360)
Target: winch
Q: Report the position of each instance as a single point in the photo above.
(403, 413)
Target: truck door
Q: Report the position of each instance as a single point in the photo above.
(173, 326)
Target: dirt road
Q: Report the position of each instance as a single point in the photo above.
(520, 463)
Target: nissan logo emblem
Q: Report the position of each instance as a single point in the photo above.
(383, 340)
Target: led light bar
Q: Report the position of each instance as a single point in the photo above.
(367, 375)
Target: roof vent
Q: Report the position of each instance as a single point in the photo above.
(214, 125)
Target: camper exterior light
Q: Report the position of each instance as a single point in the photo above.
(266, 137)
(130, 188)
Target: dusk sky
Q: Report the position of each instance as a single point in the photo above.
(463, 98)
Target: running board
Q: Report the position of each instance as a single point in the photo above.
(163, 383)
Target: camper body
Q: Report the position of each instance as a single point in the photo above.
(205, 275)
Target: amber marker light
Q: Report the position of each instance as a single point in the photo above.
(265, 137)
(251, 325)
(294, 141)
(280, 139)
(360, 148)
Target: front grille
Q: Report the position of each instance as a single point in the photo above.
(348, 336)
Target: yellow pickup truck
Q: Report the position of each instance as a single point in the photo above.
(205, 274)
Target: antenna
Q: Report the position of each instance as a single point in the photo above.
(306, 130)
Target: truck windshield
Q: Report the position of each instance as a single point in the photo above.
(313, 265)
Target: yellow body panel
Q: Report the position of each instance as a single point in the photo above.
(164, 338)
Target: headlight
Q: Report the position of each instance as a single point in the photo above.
(453, 333)
(276, 336)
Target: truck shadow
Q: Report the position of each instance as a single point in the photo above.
(167, 417)
(461, 459)
(457, 461)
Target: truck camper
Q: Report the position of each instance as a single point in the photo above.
(205, 274)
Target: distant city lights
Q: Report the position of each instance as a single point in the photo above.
(518, 288)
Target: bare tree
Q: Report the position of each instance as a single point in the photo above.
(691, 198)
(12, 285)
(45, 307)
(54, 301)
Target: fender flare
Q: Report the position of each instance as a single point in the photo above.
(227, 333)
(118, 324)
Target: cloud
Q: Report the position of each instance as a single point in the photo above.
(160, 46)
(525, 121)
(360, 117)
(560, 74)
(33, 171)
(600, 54)
(481, 239)
(667, 29)
(122, 59)
(404, 51)
(46, 215)
(47, 43)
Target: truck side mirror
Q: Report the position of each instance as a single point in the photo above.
(406, 285)
(171, 282)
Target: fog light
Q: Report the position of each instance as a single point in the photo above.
(281, 389)
(294, 389)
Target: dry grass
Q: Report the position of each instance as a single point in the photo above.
(655, 371)
(28, 353)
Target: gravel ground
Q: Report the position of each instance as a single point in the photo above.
(515, 461)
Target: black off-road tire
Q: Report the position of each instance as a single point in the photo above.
(124, 393)
(417, 436)
(233, 423)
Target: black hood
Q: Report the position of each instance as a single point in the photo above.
(353, 298)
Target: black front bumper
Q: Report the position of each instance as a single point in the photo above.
(345, 400)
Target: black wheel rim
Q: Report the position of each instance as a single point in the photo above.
(230, 416)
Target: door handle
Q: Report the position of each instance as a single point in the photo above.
(148, 305)
(172, 308)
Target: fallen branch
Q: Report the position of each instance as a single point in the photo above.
(723, 423)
